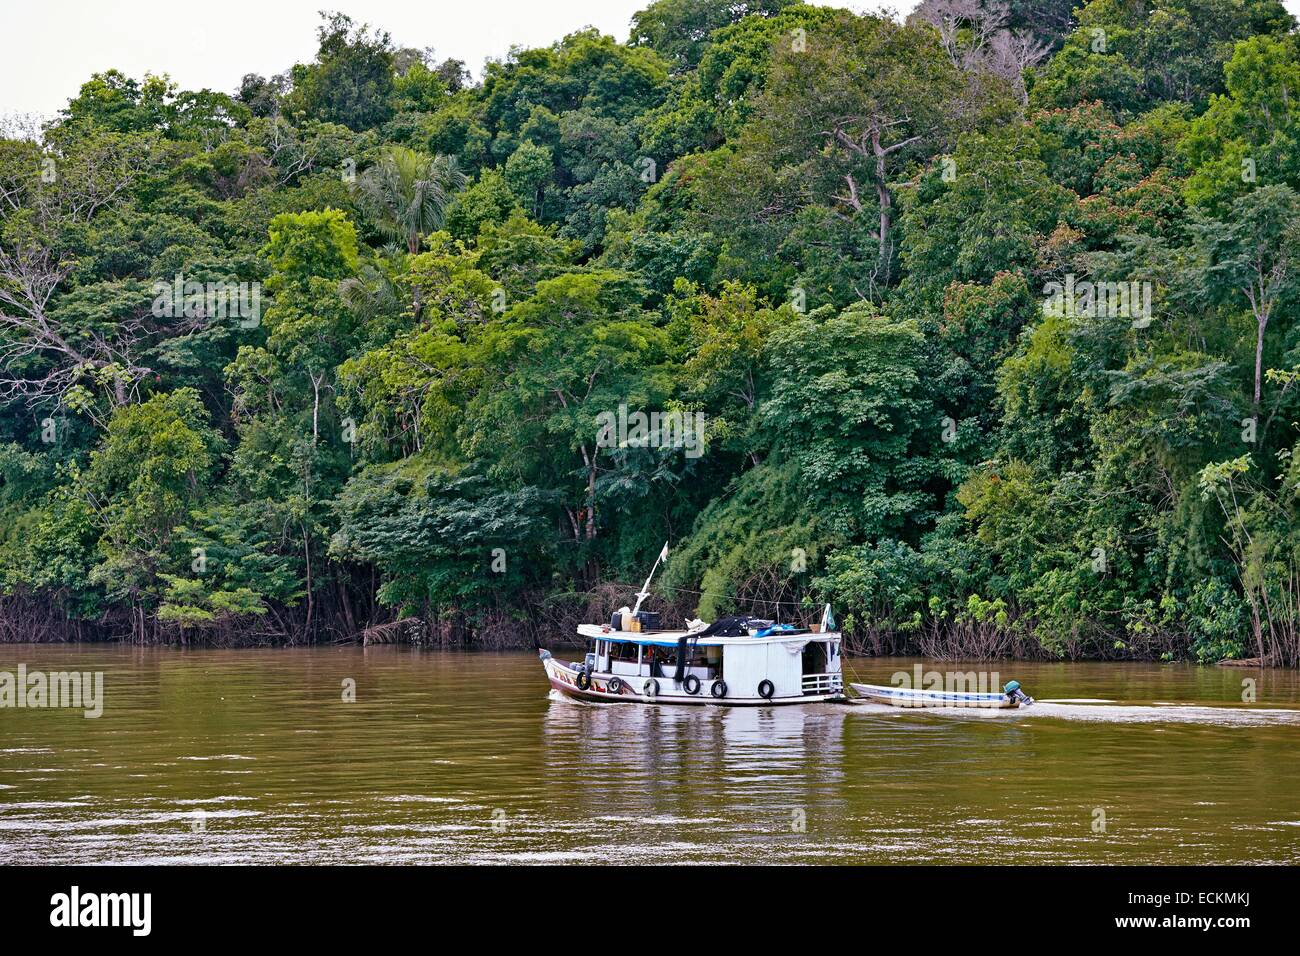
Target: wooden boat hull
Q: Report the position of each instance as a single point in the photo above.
(565, 679)
(907, 697)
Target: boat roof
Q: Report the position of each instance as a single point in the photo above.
(670, 638)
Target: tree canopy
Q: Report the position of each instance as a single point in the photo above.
(979, 325)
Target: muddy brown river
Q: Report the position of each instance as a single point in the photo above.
(259, 756)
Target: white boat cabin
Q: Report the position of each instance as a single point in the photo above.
(780, 666)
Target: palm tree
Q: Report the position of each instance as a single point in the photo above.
(406, 193)
(375, 293)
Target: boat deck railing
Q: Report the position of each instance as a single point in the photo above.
(823, 683)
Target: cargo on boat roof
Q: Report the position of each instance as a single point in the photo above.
(670, 638)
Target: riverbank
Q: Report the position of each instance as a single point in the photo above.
(412, 634)
(551, 620)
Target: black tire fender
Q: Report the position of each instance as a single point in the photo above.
(766, 689)
(719, 689)
(691, 684)
(583, 680)
(650, 688)
(615, 685)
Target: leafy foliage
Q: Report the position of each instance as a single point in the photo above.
(818, 247)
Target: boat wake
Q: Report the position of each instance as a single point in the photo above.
(1229, 715)
(1083, 709)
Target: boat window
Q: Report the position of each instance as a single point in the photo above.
(623, 652)
(815, 658)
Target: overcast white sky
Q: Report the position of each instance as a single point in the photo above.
(53, 46)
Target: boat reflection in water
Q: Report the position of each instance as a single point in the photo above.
(774, 774)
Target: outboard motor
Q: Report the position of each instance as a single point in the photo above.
(1013, 691)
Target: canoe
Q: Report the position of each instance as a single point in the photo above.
(909, 697)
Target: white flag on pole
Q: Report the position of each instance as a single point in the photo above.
(645, 588)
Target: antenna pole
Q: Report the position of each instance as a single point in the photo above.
(645, 588)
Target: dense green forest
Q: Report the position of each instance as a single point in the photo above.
(980, 326)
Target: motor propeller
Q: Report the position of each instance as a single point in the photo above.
(1013, 691)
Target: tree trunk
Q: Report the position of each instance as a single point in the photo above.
(589, 459)
(591, 504)
(315, 407)
(886, 201)
(1259, 358)
(306, 553)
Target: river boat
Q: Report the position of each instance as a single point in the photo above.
(684, 667)
(735, 661)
